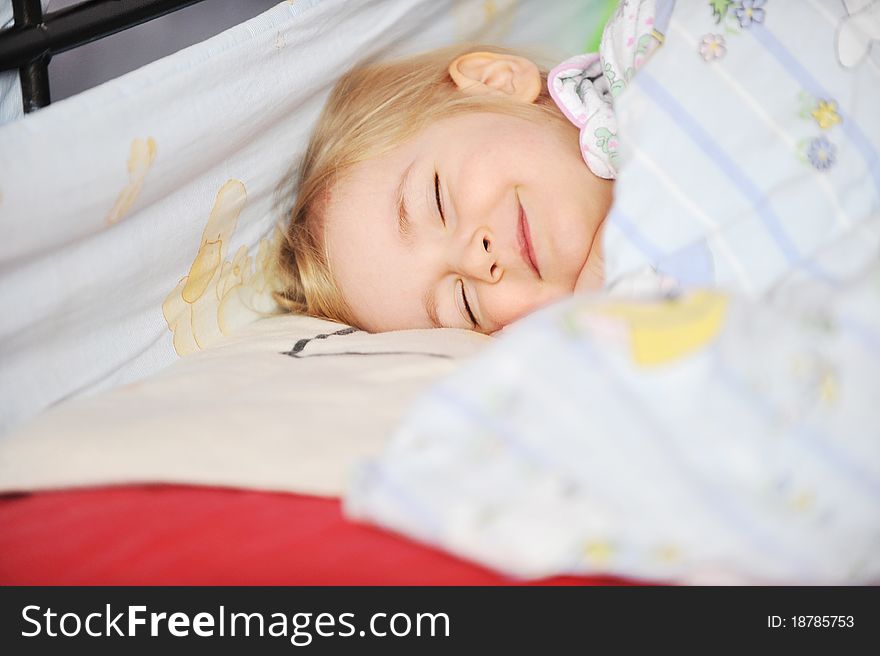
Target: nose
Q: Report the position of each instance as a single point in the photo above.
(478, 260)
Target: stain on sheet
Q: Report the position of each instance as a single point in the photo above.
(220, 295)
(140, 158)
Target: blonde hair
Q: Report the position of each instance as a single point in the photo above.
(372, 109)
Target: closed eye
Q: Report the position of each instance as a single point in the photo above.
(437, 196)
(467, 307)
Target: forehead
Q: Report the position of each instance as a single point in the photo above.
(378, 275)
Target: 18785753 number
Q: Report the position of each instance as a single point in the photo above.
(811, 622)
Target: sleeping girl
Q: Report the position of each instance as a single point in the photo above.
(722, 432)
(451, 189)
(726, 434)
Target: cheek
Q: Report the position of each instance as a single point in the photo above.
(509, 303)
(575, 237)
(385, 293)
(576, 223)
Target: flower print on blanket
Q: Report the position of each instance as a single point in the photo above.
(220, 295)
(749, 12)
(826, 114)
(142, 154)
(736, 16)
(820, 152)
(712, 47)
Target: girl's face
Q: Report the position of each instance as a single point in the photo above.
(477, 221)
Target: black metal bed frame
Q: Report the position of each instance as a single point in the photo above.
(33, 39)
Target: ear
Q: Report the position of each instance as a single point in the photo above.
(490, 73)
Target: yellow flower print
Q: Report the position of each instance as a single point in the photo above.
(803, 500)
(826, 114)
(668, 553)
(816, 379)
(247, 292)
(140, 158)
(218, 295)
(598, 553)
(828, 388)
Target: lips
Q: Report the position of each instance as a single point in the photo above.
(524, 239)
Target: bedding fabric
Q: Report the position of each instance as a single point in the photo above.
(288, 403)
(750, 142)
(713, 418)
(138, 217)
(169, 535)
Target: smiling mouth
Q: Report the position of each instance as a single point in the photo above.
(524, 239)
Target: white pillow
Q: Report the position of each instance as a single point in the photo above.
(288, 403)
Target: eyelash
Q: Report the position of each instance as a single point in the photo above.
(467, 306)
(437, 196)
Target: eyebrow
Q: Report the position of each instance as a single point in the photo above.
(404, 225)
